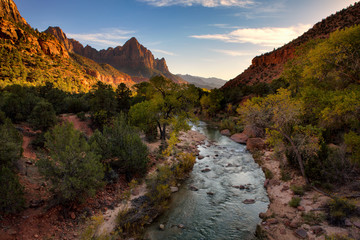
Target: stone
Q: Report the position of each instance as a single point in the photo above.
(356, 224)
(301, 233)
(36, 236)
(72, 215)
(162, 227)
(225, 132)
(210, 193)
(181, 226)
(249, 201)
(206, 170)
(272, 221)
(294, 224)
(348, 223)
(253, 144)
(262, 215)
(200, 157)
(317, 230)
(285, 188)
(174, 189)
(239, 138)
(282, 231)
(301, 208)
(193, 188)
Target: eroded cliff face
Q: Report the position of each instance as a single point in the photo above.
(132, 58)
(9, 11)
(269, 66)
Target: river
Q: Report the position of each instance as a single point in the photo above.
(216, 210)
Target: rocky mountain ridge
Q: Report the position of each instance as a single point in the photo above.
(269, 66)
(131, 58)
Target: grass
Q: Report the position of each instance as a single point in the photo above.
(295, 202)
(297, 190)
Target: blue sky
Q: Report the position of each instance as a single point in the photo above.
(208, 38)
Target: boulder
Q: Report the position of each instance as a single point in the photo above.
(206, 170)
(200, 157)
(250, 132)
(225, 132)
(239, 138)
(174, 189)
(253, 144)
(162, 227)
(193, 188)
(301, 233)
(249, 201)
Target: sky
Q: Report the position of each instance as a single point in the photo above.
(207, 38)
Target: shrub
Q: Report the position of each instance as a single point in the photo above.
(43, 116)
(295, 202)
(11, 192)
(297, 190)
(312, 218)
(121, 144)
(72, 167)
(10, 144)
(339, 210)
(268, 173)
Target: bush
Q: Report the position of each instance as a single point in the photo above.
(295, 202)
(121, 145)
(11, 192)
(72, 167)
(297, 190)
(43, 116)
(268, 173)
(312, 218)
(10, 144)
(339, 210)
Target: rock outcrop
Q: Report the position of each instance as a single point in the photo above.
(9, 11)
(269, 66)
(131, 58)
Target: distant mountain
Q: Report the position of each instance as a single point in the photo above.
(208, 83)
(131, 58)
(269, 66)
(29, 57)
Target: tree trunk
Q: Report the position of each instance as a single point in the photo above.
(298, 156)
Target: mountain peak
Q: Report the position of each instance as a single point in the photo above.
(9, 11)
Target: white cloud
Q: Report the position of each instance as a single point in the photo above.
(233, 53)
(105, 38)
(268, 37)
(163, 52)
(204, 3)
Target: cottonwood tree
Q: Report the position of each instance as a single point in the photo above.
(169, 102)
(280, 115)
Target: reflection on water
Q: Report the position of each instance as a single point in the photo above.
(216, 211)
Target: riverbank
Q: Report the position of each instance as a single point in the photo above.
(306, 221)
(138, 209)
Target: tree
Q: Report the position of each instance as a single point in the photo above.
(11, 191)
(72, 167)
(43, 116)
(280, 114)
(123, 97)
(211, 103)
(169, 102)
(120, 145)
(143, 116)
(10, 144)
(102, 104)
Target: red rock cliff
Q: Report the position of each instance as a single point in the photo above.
(269, 66)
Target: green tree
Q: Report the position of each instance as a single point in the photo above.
(72, 167)
(120, 145)
(123, 97)
(143, 116)
(43, 116)
(281, 115)
(211, 103)
(10, 144)
(102, 104)
(11, 192)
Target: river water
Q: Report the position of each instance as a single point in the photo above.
(216, 211)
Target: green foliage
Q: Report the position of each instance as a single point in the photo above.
(43, 116)
(11, 191)
(143, 116)
(232, 125)
(72, 167)
(10, 144)
(121, 145)
(211, 103)
(352, 141)
(313, 218)
(337, 237)
(339, 210)
(295, 202)
(123, 97)
(268, 173)
(297, 190)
